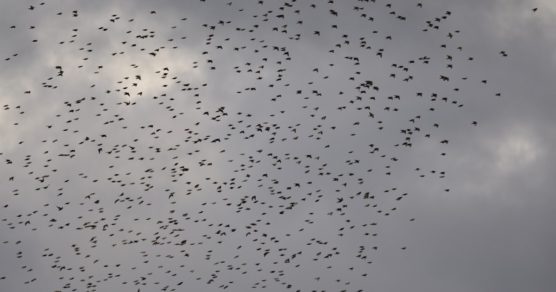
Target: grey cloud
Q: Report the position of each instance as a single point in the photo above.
(492, 231)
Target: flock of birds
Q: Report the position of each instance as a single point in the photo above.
(266, 147)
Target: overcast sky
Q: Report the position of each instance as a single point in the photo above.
(278, 145)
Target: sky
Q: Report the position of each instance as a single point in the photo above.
(254, 145)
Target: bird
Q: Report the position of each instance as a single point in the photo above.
(179, 147)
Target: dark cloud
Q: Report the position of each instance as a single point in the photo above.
(492, 231)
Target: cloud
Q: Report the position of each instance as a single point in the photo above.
(302, 162)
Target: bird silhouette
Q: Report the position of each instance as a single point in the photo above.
(237, 145)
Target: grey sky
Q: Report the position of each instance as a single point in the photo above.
(100, 195)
